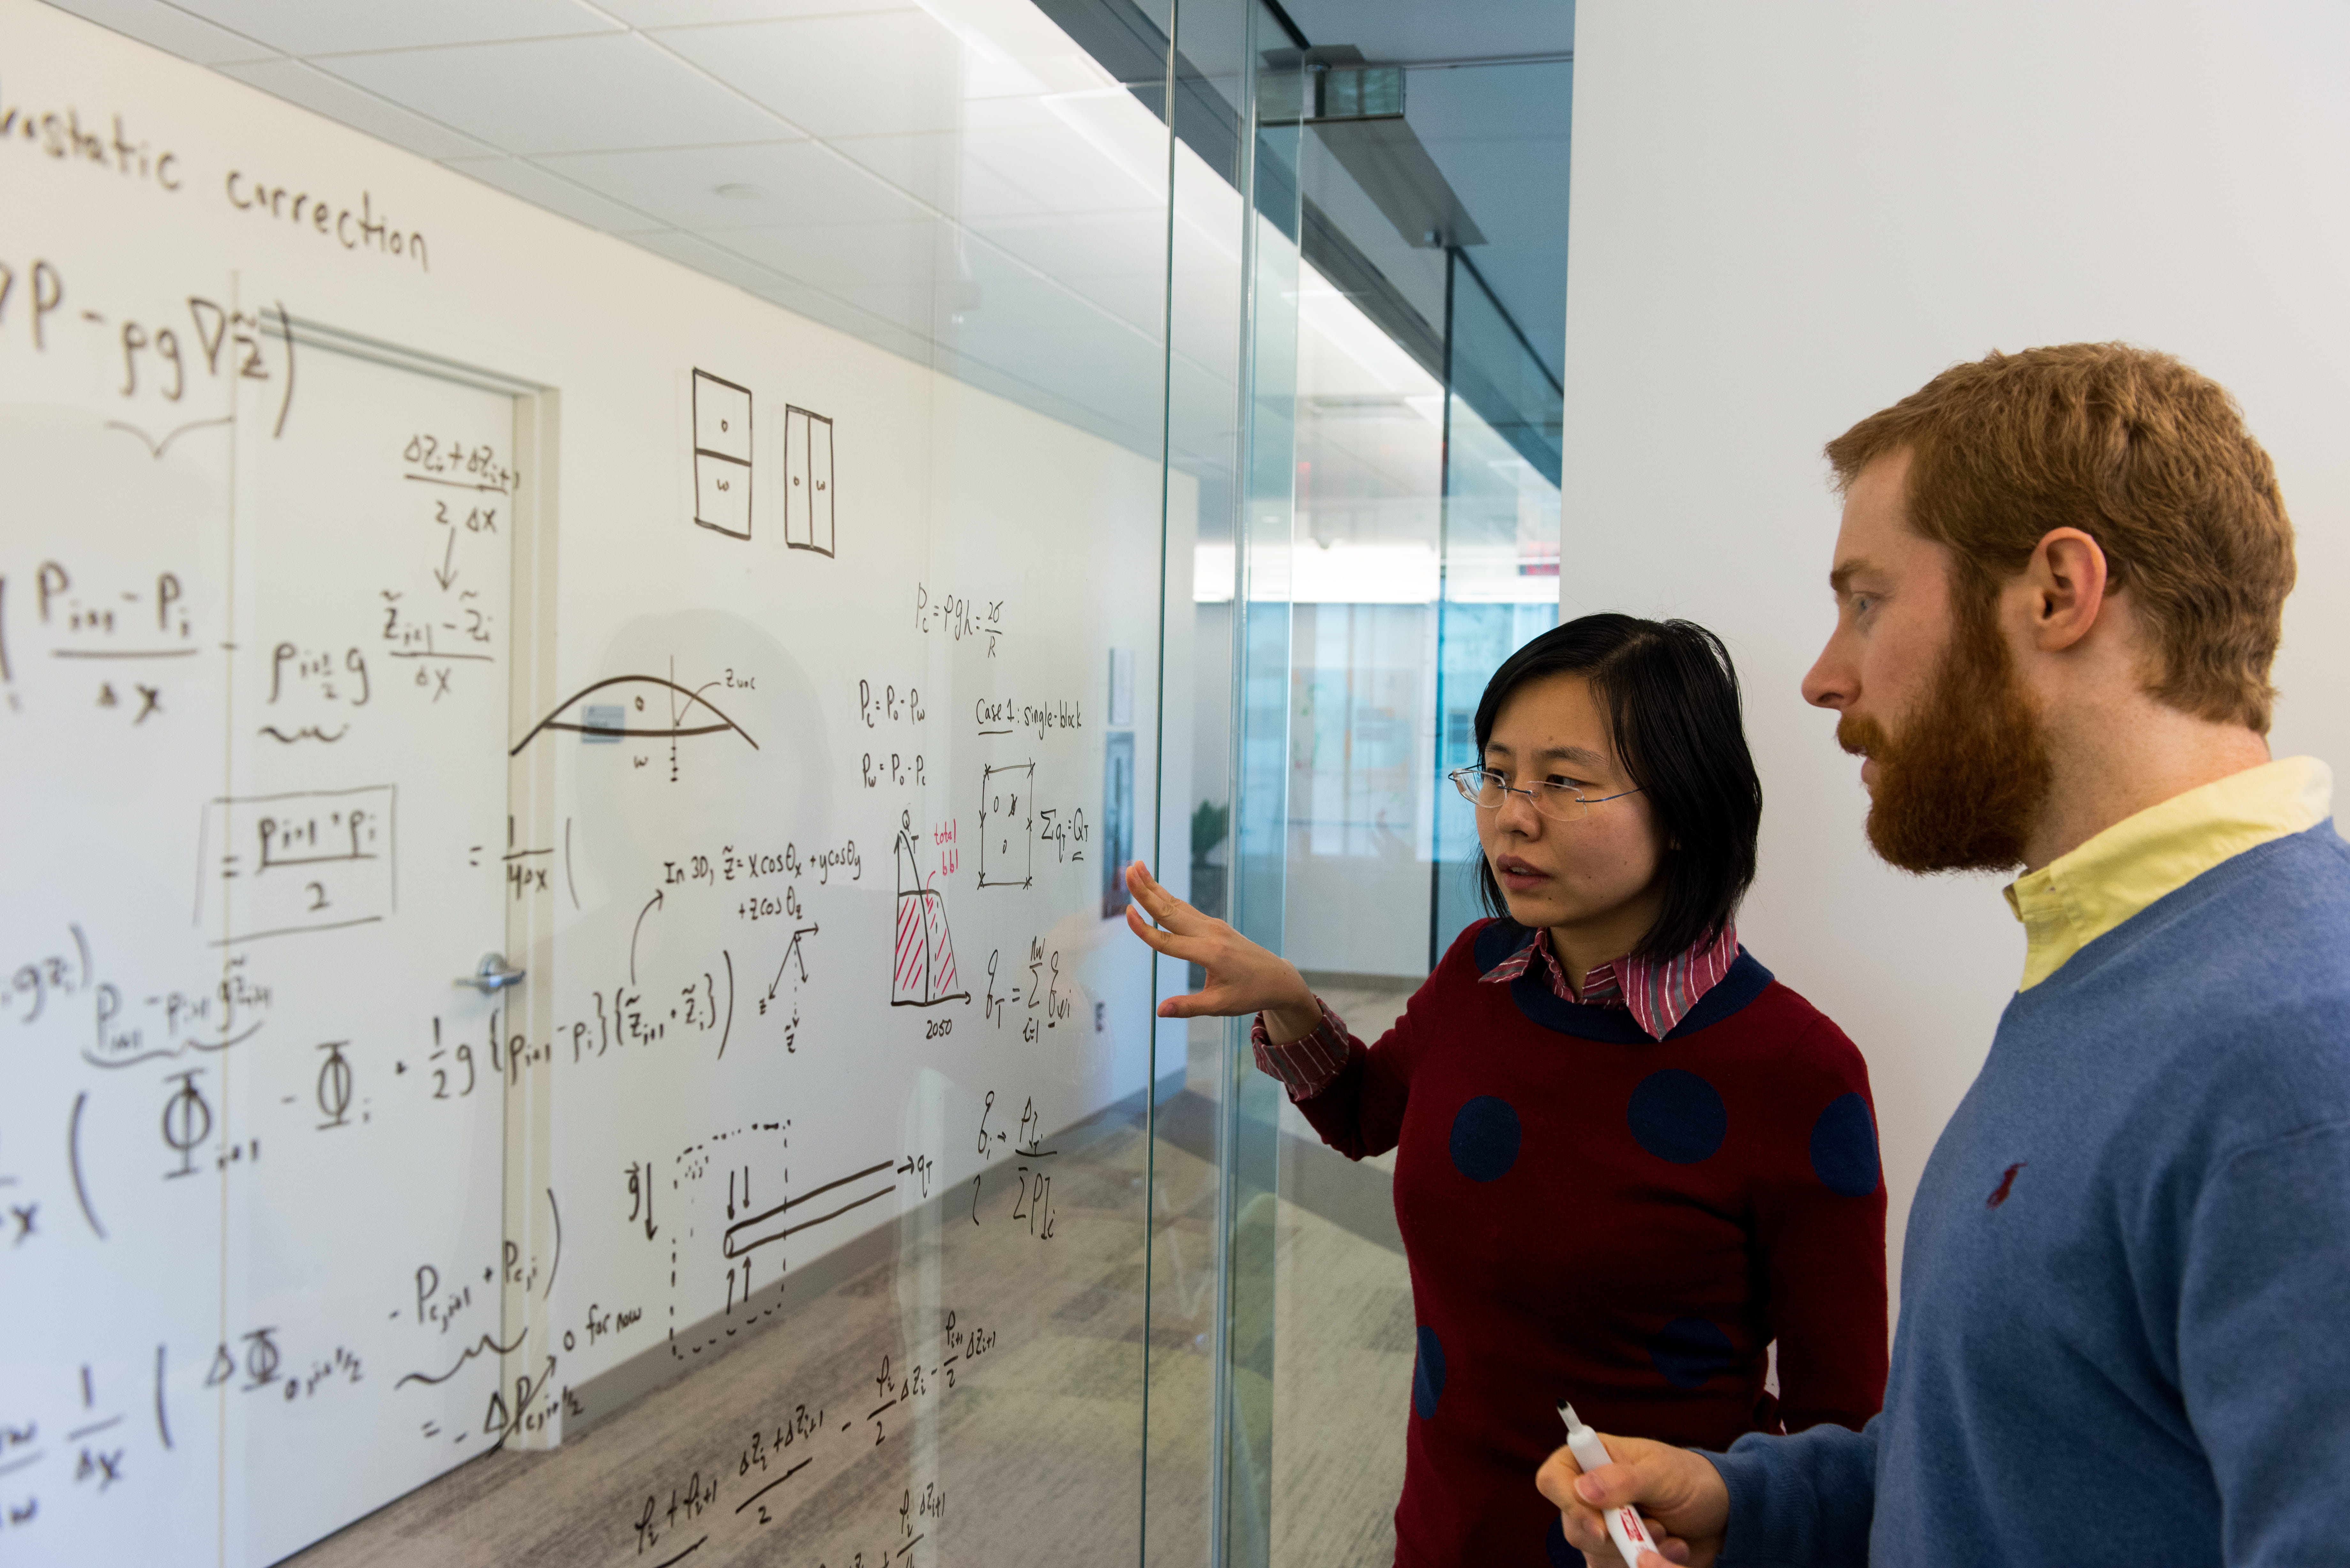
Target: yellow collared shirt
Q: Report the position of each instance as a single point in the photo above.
(2077, 898)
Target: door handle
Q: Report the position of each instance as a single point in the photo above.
(493, 976)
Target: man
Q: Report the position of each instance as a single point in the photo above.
(2124, 1332)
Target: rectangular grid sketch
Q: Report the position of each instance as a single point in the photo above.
(721, 455)
(1006, 826)
(808, 475)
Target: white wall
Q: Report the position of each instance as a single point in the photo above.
(1788, 216)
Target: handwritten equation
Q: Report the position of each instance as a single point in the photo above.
(958, 618)
(277, 865)
(159, 356)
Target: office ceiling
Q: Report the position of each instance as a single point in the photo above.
(940, 178)
(953, 181)
(1490, 91)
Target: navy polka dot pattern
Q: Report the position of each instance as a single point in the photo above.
(1486, 1137)
(1678, 1115)
(1844, 1147)
(1427, 1373)
(1556, 1548)
(1689, 1350)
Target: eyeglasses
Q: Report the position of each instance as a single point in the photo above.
(1487, 790)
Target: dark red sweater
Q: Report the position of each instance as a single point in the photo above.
(1592, 1215)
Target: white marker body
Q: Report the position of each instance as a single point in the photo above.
(1623, 1526)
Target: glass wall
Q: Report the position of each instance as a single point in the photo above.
(1501, 554)
(1427, 550)
(1138, 465)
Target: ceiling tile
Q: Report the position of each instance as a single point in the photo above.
(339, 100)
(940, 167)
(795, 183)
(1070, 174)
(563, 95)
(817, 306)
(1137, 299)
(1002, 113)
(1015, 303)
(1013, 290)
(1067, 247)
(704, 258)
(168, 27)
(311, 28)
(1109, 382)
(839, 76)
(838, 256)
(699, 12)
(888, 269)
(552, 191)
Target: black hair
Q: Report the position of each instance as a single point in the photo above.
(1670, 694)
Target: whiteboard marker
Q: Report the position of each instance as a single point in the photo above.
(1624, 1527)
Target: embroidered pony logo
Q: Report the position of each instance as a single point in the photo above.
(2006, 1185)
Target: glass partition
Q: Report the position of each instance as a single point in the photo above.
(1427, 549)
(628, 1051)
(652, 1065)
(1501, 555)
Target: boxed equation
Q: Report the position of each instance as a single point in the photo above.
(312, 860)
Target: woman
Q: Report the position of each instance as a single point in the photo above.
(1629, 1161)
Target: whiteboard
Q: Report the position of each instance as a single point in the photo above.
(784, 707)
(272, 1102)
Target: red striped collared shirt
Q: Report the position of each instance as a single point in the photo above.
(1658, 995)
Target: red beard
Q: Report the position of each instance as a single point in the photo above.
(1962, 784)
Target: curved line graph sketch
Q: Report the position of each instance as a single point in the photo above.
(924, 974)
(605, 728)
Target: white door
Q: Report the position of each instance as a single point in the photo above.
(351, 870)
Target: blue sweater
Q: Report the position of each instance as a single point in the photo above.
(2124, 1332)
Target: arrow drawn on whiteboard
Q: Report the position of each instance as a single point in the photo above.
(484, 1343)
(442, 574)
(648, 908)
(791, 952)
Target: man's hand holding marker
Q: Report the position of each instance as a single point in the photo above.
(1670, 1496)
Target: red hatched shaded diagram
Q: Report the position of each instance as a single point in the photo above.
(924, 974)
